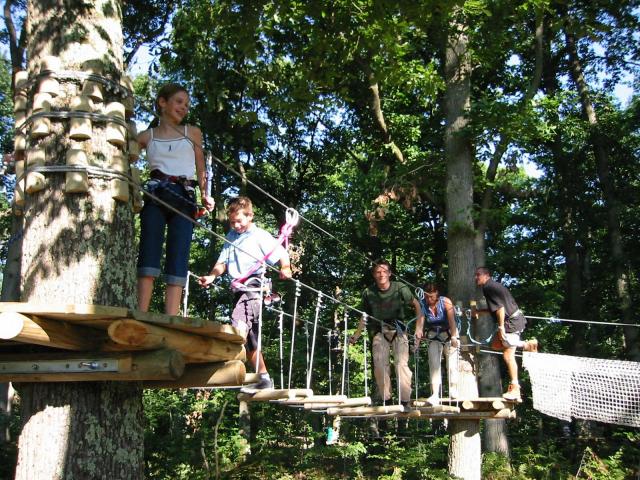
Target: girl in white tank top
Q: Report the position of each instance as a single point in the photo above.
(173, 151)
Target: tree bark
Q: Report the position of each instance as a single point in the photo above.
(612, 204)
(78, 248)
(464, 447)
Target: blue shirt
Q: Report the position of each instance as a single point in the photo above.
(242, 251)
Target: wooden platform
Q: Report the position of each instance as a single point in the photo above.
(76, 342)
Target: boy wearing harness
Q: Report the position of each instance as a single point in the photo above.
(442, 334)
(387, 301)
(245, 245)
(511, 323)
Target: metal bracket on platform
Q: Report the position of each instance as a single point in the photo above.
(77, 365)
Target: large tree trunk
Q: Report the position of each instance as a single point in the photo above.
(464, 447)
(78, 248)
(612, 204)
(489, 378)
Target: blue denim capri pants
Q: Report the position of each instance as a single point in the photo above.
(155, 220)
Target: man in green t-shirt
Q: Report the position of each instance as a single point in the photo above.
(387, 303)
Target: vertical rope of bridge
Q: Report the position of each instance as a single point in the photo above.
(293, 330)
(416, 367)
(280, 322)
(397, 365)
(345, 352)
(313, 339)
(259, 349)
(366, 374)
(329, 336)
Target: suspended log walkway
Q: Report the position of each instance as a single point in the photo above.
(484, 408)
(77, 342)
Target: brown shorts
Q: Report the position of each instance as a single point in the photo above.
(246, 316)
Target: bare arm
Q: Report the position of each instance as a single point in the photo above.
(217, 270)
(195, 135)
(500, 313)
(285, 266)
(356, 335)
(451, 319)
(420, 319)
(143, 138)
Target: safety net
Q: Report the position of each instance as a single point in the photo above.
(587, 388)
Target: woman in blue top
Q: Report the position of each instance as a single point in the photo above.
(442, 333)
(175, 156)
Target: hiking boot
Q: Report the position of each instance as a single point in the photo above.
(530, 345)
(512, 393)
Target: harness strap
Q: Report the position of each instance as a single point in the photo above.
(291, 220)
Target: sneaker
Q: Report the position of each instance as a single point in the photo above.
(264, 383)
(512, 393)
(531, 345)
(433, 400)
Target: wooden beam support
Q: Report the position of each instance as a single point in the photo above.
(205, 375)
(50, 333)
(196, 349)
(90, 367)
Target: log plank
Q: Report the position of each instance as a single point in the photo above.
(205, 375)
(50, 333)
(194, 347)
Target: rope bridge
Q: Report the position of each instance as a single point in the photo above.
(587, 388)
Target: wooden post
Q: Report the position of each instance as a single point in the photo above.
(245, 427)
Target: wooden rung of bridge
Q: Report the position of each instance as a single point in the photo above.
(334, 399)
(349, 402)
(113, 335)
(275, 394)
(366, 411)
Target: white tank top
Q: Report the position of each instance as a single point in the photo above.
(175, 156)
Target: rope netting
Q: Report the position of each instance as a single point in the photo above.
(587, 388)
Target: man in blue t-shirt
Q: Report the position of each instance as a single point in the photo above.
(246, 244)
(511, 323)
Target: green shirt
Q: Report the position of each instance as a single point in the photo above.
(388, 305)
